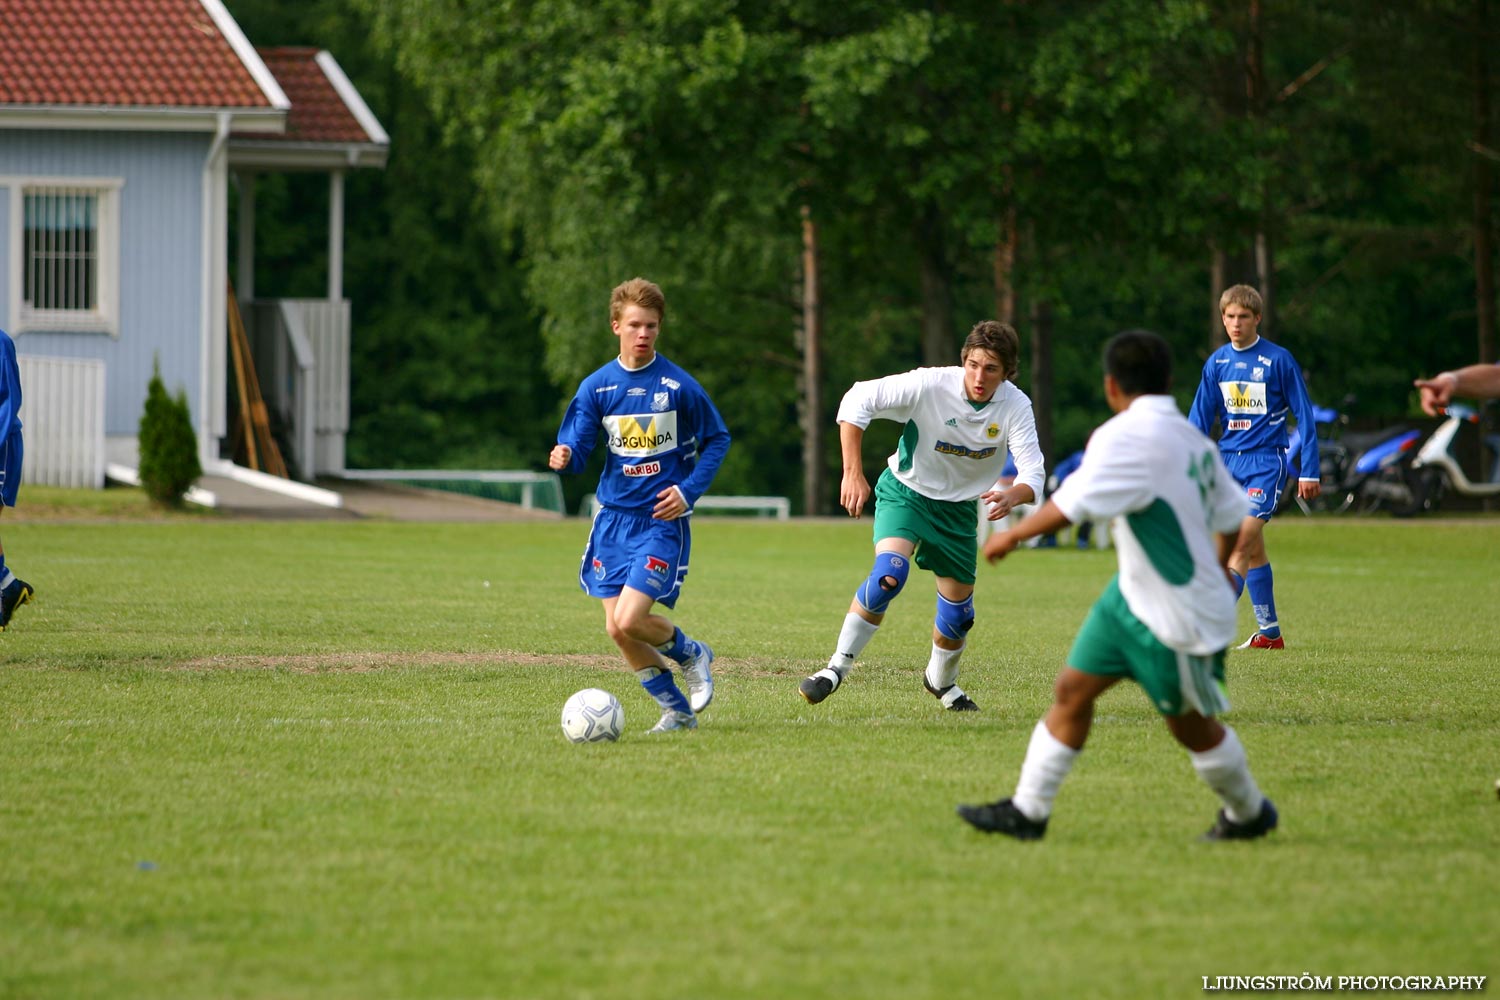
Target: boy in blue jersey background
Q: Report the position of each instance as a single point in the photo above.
(664, 442)
(14, 591)
(1250, 386)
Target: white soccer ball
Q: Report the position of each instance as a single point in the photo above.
(591, 716)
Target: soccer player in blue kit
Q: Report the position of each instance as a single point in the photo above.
(14, 591)
(1250, 386)
(665, 442)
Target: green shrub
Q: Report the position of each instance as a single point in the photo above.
(168, 446)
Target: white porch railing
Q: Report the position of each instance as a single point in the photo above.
(62, 410)
(301, 352)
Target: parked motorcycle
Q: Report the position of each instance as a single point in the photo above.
(1365, 471)
(1437, 466)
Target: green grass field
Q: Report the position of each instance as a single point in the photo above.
(323, 760)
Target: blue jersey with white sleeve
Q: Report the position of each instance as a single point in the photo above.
(1251, 392)
(659, 427)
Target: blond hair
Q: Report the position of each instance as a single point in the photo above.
(636, 292)
(1241, 295)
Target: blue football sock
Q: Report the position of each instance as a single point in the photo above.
(664, 689)
(679, 648)
(1239, 584)
(1263, 600)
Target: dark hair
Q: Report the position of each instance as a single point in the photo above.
(1140, 361)
(1000, 339)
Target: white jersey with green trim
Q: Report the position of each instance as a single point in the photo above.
(1164, 486)
(951, 449)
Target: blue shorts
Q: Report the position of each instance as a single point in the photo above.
(636, 551)
(10, 469)
(1263, 475)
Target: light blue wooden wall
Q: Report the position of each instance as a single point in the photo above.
(161, 234)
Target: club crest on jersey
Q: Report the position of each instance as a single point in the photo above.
(992, 431)
(657, 566)
(598, 569)
(659, 401)
(1259, 374)
(644, 469)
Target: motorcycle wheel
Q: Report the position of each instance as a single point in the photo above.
(1412, 497)
(1434, 488)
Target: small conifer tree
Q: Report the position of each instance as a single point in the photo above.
(168, 446)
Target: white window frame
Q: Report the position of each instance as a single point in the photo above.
(105, 316)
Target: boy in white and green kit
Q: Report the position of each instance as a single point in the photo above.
(958, 424)
(1166, 618)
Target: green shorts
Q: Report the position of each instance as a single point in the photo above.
(946, 532)
(1113, 642)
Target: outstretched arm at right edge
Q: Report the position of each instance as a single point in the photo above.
(1473, 382)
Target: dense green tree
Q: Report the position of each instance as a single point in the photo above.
(1081, 166)
(446, 348)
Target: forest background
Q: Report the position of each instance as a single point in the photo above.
(834, 190)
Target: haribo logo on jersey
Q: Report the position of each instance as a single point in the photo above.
(639, 435)
(1244, 397)
(644, 469)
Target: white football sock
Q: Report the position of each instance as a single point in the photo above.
(1226, 770)
(942, 667)
(1048, 761)
(853, 638)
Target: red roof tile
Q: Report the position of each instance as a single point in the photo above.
(318, 113)
(151, 53)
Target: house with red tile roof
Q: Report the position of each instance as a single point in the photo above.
(122, 125)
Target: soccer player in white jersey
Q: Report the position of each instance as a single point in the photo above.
(1166, 618)
(959, 424)
(1249, 388)
(665, 441)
